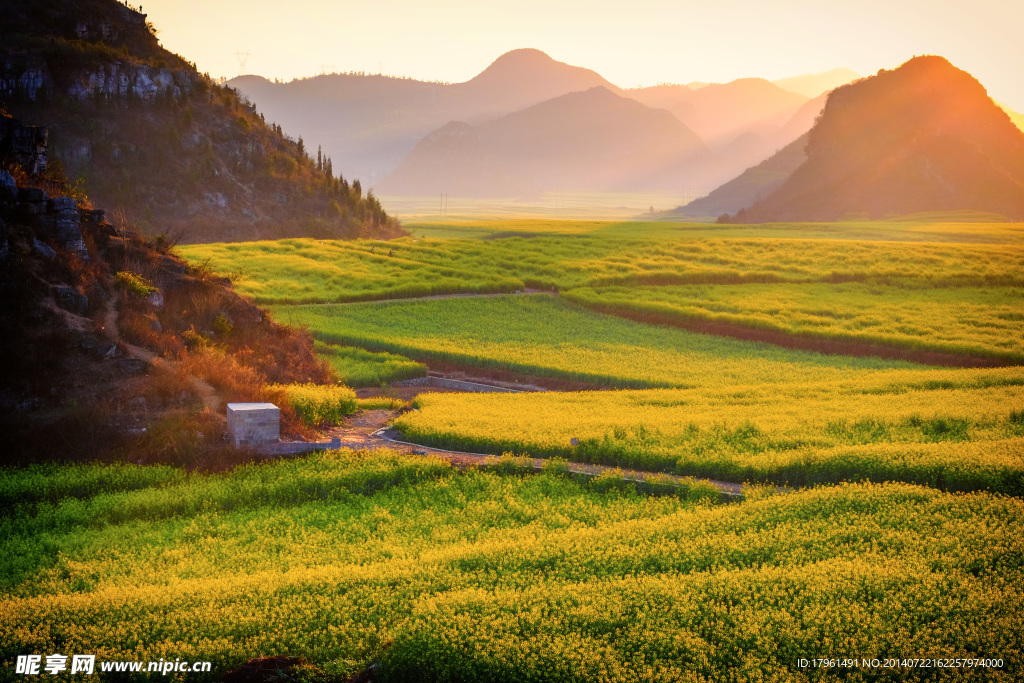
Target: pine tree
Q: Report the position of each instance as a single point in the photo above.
(319, 159)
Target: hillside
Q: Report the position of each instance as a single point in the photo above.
(158, 144)
(922, 137)
(113, 348)
(369, 123)
(586, 140)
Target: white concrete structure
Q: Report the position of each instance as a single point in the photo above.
(253, 424)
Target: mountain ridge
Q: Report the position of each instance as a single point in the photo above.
(372, 123)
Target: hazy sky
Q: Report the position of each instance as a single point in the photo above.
(631, 42)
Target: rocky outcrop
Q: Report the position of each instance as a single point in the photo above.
(24, 78)
(23, 145)
(57, 220)
(120, 79)
(107, 81)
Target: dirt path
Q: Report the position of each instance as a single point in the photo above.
(211, 399)
(369, 430)
(470, 295)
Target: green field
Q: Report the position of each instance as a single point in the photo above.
(349, 559)
(546, 256)
(545, 336)
(976, 321)
(358, 367)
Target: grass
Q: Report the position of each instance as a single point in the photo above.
(958, 430)
(542, 335)
(347, 559)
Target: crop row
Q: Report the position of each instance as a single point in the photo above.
(307, 271)
(360, 368)
(954, 429)
(962, 320)
(545, 336)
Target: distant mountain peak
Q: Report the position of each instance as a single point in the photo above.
(534, 69)
(922, 137)
(523, 55)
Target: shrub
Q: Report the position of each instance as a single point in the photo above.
(510, 464)
(134, 283)
(558, 467)
(317, 404)
(380, 403)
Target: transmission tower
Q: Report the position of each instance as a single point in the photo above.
(243, 57)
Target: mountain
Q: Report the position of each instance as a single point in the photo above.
(761, 180)
(520, 78)
(721, 112)
(370, 123)
(813, 85)
(742, 122)
(923, 137)
(594, 140)
(749, 187)
(158, 144)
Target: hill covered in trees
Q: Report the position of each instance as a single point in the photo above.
(160, 145)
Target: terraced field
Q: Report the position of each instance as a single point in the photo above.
(897, 539)
(310, 271)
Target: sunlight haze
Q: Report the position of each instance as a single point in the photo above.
(642, 43)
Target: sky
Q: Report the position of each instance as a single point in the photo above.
(631, 43)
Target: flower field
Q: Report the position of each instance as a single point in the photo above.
(348, 559)
(881, 536)
(361, 368)
(953, 429)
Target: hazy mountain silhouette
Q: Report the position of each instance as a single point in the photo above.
(742, 122)
(595, 140)
(721, 112)
(370, 123)
(922, 137)
(520, 78)
(813, 85)
(750, 186)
